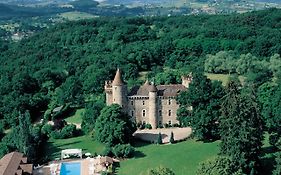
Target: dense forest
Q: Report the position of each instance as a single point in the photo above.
(86, 53)
(67, 64)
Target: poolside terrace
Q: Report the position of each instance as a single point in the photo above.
(89, 166)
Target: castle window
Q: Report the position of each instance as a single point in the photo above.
(132, 113)
(143, 102)
(160, 113)
(169, 112)
(169, 102)
(170, 122)
(159, 101)
(143, 112)
(160, 123)
(132, 102)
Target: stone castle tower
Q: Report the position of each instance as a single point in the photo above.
(116, 91)
(146, 104)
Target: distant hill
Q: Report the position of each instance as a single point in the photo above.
(270, 1)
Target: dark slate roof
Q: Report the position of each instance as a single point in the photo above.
(162, 90)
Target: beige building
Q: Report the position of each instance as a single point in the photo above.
(147, 104)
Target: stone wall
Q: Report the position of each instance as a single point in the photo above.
(166, 109)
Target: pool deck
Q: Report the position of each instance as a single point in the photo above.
(85, 167)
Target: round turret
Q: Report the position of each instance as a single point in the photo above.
(119, 94)
(153, 105)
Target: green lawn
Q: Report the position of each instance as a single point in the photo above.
(76, 118)
(183, 158)
(223, 77)
(86, 143)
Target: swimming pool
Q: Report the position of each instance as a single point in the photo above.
(70, 168)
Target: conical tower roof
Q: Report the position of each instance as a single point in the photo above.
(146, 83)
(117, 79)
(152, 88)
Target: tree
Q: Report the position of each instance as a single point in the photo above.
(205, 97)
(277, 170)
(222, 62)
(183, 116)
(220, 165)
(123, 151)
(70, 92)
(92, 111)
(159, 138)
(113, 126)
(241, 128)
(172, 140)
(160, 171)
(24, 133)
(265, 95)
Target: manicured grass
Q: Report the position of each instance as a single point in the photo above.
(183, 158)
(86, 143)
(76, 118)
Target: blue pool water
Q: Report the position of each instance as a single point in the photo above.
(70, 168)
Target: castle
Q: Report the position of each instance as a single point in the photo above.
(146, 104)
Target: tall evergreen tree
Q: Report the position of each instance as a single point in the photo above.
(24, 130)
(205, 97)
(241, 131)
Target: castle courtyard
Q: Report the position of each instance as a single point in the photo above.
(151, 135)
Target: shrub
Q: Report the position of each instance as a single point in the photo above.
(175, 125)
(55, 134)
(107, 151)
(160, 126)
(160, 171)
(69, 131)
(123, 151)
(47, 129)
(47, 115)
(66, 132)
(148, 126)
(166, 125)
(140, 126)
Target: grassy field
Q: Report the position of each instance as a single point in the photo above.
(76, 118)
(86, 143)
(74, 16)
(223, 77)
(183, 158)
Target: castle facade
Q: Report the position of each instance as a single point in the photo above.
(146, 104)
